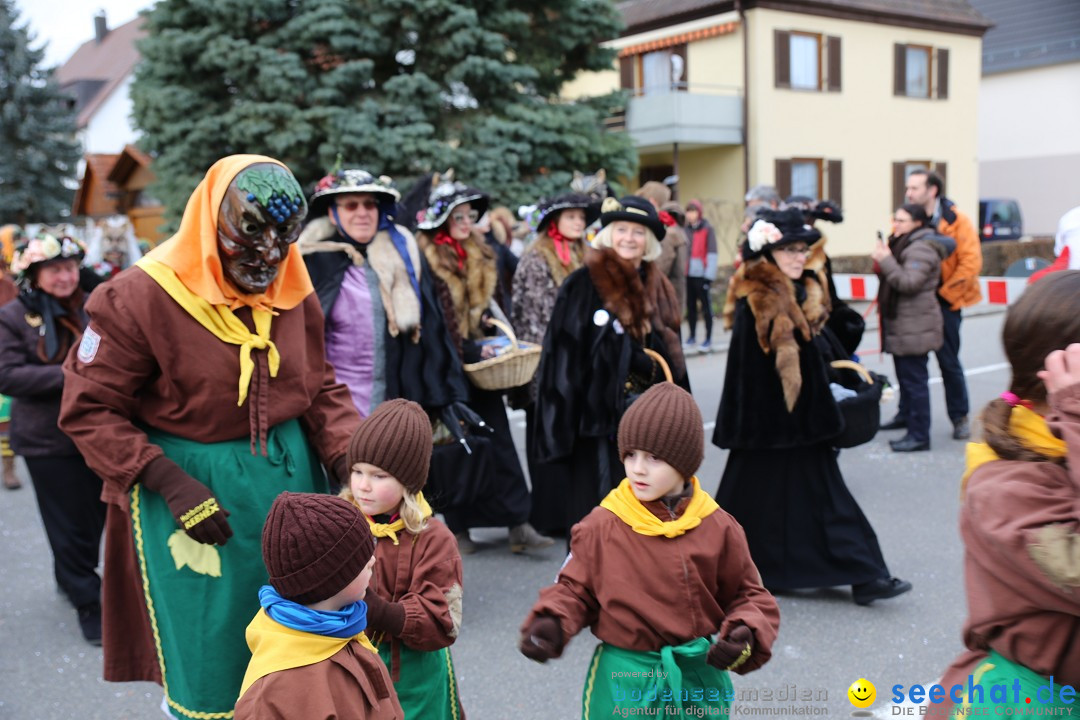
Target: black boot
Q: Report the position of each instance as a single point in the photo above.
(961, 429)
(90, 623)
(897, 423)
(880, 589)
(909, 444)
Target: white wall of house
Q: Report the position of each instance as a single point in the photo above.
(111, 128)
(1029, 142)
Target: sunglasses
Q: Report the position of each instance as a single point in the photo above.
(351, 205)
(804, 251)
(460, 217)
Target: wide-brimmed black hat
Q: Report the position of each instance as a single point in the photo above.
(447, 195)
(632, 209)
(352, 180)
(548, 208)
(776, 228)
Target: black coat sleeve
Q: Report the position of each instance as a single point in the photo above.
(752, 412)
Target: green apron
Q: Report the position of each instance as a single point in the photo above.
(996, 670)
(5, 409)
(427, 686)
(202, 597)
(687, 681)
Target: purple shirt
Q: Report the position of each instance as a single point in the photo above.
(350, 338)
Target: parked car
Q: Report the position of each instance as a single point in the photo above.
(999, 219)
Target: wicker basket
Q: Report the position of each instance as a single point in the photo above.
(661, 361)
(511, 369)
(862, 413)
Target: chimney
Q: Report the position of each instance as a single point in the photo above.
(101, 28)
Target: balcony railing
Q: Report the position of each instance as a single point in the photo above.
(693, 115)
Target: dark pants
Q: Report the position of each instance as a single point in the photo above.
(697, 290)
(952, 372)
(914, 379)
(69, 499)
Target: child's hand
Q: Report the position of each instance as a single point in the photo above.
(542, 641)
(1062, 368)
(731, 653)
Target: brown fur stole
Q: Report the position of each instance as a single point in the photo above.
(470, 289)
(545, 247)
(777, 315)
(641, 307)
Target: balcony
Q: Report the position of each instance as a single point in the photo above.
(693, 116)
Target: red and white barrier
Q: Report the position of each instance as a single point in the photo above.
(995, 290)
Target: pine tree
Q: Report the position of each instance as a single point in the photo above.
(38, 152)
(400, 87)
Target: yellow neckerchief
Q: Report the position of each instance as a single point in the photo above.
(221, 321)
(1030, 428)
(629, 509)
(391, 530)
(275, 647)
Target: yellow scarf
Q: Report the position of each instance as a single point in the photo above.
(1030, 428)
(275, 647)
(629, 509)
(391, 530)
(221, 321)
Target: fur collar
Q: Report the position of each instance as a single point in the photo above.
(399, 300)
(641, 306)
(777, 314)
(471, 288)
(545, 247)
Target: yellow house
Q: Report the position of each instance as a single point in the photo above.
(833, 99)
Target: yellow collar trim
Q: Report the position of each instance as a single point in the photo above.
(275, 647)
(390, 530)
(1030, 428)
(220, 321)
(629, 509)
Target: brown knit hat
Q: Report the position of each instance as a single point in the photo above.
(665, 421)
(397, 438)
(314, 545)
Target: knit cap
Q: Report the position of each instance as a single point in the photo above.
(397, 438)
(665, 422)
(314, 545)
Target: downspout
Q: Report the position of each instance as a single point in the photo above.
(745, 95)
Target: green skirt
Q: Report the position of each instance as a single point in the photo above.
(997, 677)
(675, 677)
(426, 687)
(5, 409)
(202, 597)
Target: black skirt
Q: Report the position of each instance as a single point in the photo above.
(803, 526)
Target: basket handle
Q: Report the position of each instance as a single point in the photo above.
(663, 363)
(506, 329)
(852, 365)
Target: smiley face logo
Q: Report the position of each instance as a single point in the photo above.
(862, 693)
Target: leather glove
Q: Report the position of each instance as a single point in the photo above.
(730, 653)
(191, 503)
(340, 473)
(543, 640)
(458, 417)
(384, 615)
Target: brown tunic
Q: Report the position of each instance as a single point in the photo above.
(1020, 522)
(352, 683)
(155, 365)
(643, 593)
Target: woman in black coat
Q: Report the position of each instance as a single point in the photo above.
(37, 330)
(777, 415)
(594, 362)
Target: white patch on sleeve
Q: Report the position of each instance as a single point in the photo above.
(88, 348)
(563, 566)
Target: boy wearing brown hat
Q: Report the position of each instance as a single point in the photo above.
(310, 657)
(414, 604)
(656, 571)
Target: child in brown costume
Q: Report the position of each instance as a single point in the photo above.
(414, 606)
(310, 657)
(656, 571)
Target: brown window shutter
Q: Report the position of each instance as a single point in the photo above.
(836, 182)
(898, 181)
(680, 50)
(783, 177)
(939, 168)
(834, 63)
(782, 52)
(942, 73)
(626, 72)
(899, 69)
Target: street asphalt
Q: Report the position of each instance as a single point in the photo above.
(826, 642)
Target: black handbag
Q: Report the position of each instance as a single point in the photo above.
(458, 477)
(862, 413)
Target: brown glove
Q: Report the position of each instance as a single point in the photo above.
(384, 615)
(731, 653)
(543, 639)
(192, 504)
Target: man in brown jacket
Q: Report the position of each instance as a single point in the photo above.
(959, 287)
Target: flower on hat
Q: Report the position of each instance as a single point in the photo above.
(44, 247)
(761, 234)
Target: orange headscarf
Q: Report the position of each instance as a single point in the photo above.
(192, 252)
(7, 242)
